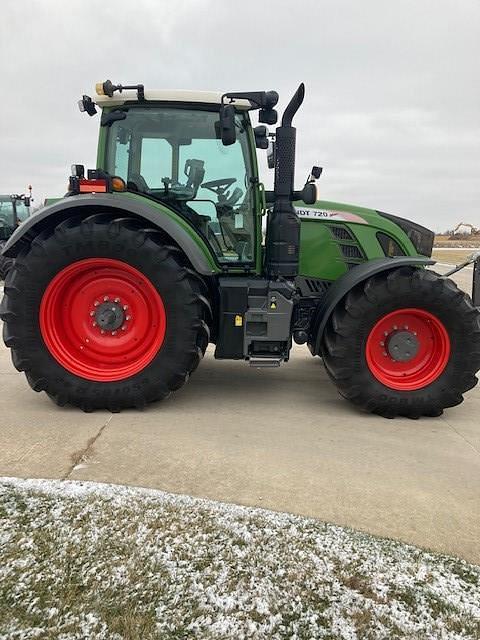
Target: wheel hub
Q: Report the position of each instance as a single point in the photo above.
(109, 316)
(402, 346)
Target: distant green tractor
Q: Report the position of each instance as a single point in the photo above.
(14, 209)
(118, 288)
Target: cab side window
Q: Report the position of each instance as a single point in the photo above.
(176, 157)
(155, 161)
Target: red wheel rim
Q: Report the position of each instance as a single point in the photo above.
(408, 349)
(102, 319)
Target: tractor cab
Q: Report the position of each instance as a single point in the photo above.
(175, 156)
(193, 152)
(14, 210)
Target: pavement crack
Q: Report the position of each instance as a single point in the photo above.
(83, 454)
(461, 436)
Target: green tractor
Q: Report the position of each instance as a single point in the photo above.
(14, 209)
(118, 288)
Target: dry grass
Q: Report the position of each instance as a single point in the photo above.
(465, 241)
(451, 256)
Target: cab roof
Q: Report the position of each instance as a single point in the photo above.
(194, 97)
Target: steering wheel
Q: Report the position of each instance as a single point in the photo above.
(219, 186)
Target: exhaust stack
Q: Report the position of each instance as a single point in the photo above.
(283, 230)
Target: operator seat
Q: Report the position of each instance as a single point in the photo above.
(137, 183)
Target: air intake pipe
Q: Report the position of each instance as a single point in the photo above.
(283, 228)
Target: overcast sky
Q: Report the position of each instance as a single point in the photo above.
(392, 106)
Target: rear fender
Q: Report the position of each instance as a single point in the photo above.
(345, 283)
(196, 250)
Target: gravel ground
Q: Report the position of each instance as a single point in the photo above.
(83, 560)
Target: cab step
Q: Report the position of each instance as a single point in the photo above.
(265, 361)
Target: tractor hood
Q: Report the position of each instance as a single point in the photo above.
(326, 211)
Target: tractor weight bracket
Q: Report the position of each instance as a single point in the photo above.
(476, 283)
(473, 259)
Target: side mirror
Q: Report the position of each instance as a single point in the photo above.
(271, 155)
(228, 133)
(26, 201)
(309, 193)
(261, 139)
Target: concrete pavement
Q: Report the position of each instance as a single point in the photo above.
(281, 439)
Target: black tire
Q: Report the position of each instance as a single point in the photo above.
(183, 293)
(5, 264)
(345, 340)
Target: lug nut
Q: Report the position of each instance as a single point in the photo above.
(123, 328)
(128, 318)
(385, 353)
(96, 303)
(87, 340)
(125, 307)
(382, 344)
(105, 298)
(94, 324)
(117, 300)
(92, 313)
(114, 333)
(102, 332)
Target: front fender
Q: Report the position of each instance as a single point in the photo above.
(345, 283)
(176, 227)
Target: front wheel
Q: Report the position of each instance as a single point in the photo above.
(101, 315)
(405, 343)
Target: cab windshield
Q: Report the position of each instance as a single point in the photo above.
(177, 157)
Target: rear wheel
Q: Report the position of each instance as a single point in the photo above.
(100, 314)
(5, 264)
(406, 343)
